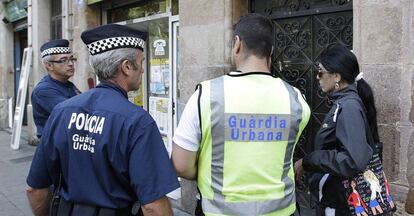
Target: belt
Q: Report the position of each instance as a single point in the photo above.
(68, 208)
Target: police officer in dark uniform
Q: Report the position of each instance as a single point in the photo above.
(58, 60)
(108, 151)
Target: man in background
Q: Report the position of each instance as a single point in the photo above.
(55, 87)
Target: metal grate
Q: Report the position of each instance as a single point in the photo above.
(299, 41)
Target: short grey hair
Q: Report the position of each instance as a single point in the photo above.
(106, 64)
(46, 60)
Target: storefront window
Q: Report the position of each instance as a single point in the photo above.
(159, 75)
(137, 10)
(56, 20)
(175, 4)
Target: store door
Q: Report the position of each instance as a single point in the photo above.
(159, 78)
(20, 42)
(158, 91)
(304, 29)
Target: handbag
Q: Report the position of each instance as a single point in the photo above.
(368, 193)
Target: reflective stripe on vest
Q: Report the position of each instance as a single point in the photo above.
(216, 137)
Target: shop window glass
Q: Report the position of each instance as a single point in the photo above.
(56, 20)
(175, 4)
(159, 75)
(137, 10)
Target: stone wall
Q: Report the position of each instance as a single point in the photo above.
(38, 34)
(40, 18)
(384, 44)
(84, 17)
(6, 68)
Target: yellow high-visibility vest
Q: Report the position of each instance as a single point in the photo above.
(250, 124)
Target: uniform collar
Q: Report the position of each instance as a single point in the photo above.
(65, 84)
(116, 87)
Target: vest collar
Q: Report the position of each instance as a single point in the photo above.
(239, 73)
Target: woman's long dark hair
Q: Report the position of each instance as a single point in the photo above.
(340, 59)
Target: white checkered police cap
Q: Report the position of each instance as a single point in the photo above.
(112, 36)
(60, 46)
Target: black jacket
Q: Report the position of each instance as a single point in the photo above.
(341, 145)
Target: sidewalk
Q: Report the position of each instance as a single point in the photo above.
(14, 166)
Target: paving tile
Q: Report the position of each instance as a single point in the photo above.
(8, 208)
(20, 201)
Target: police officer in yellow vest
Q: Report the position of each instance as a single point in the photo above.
(237, 133)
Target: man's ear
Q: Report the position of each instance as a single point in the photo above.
(49, 66)
(126, 67)
(237, 44)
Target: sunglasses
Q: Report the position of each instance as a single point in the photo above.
(321, 71)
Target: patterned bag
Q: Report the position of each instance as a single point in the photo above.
(368, 193)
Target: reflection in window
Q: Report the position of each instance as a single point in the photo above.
(56, 20)
(175, 6)
(137, 10)
(159, 71)
(159, 76)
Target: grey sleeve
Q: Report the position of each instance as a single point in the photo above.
(355, 153)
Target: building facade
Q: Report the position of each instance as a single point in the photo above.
(190, 41)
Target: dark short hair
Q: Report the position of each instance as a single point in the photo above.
(257, 33)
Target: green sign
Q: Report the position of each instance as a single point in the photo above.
(94, 1)
(16, 10)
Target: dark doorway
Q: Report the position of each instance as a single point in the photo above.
(304, 29)
(20, 42)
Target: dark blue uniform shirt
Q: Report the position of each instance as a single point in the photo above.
(46, 95)
(109, 151)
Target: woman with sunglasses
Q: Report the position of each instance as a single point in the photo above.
(341, 144)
